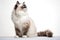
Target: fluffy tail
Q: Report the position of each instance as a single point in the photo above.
(46, 33)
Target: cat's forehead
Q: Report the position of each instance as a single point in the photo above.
(20, 4)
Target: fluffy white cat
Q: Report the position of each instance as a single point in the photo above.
(24, 24)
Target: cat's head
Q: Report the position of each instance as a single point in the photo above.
(20, 6)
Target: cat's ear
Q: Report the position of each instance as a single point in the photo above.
(17, 2)
(16, 5)
(23, 2)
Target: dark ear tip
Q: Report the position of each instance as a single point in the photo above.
(17, 2)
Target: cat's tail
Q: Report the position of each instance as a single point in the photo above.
(46, 33)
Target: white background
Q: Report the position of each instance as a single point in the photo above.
(45, 13)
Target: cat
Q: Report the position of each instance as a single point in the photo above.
(24, 25)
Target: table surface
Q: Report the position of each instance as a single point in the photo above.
(32, 38)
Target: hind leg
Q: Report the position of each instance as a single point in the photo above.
(31, 32)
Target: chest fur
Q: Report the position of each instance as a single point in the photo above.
(20, 20)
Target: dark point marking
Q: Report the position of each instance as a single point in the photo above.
(15, 7)
(24, 6)
(41, 34)
(18, 2)
(46, 33)
(18, 32)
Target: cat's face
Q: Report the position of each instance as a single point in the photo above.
(20, 6)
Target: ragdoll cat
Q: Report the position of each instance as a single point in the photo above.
(23, 23)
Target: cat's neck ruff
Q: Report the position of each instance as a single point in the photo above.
(21, 14)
